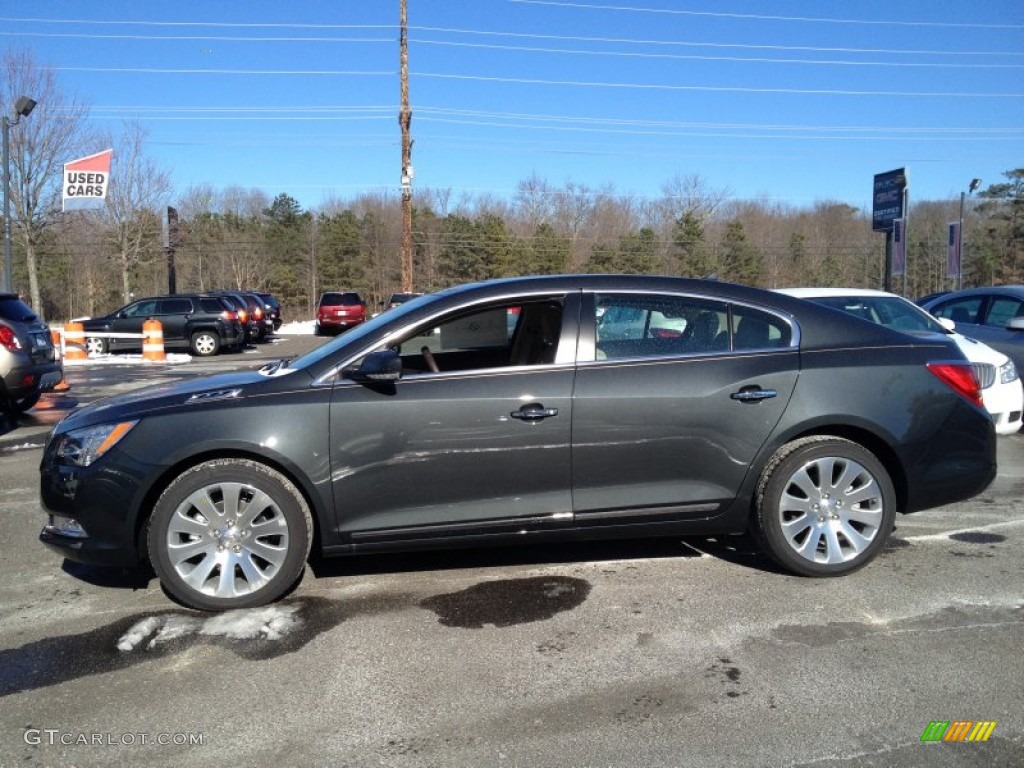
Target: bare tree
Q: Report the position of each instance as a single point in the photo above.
(39, 146)
(139, 191)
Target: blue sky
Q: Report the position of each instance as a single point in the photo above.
(790, 101)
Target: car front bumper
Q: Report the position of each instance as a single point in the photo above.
(1005, 403)
(92, 511)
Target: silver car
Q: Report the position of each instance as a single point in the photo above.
(29, 363)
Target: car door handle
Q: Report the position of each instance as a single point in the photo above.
(534, 412)
(753, 394)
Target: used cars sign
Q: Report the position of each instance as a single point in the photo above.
(87, 178)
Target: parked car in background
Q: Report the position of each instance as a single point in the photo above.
(273, 308)
(999, 378)
(994, 315)
(398, 299)
(29, 363)
(252, 313)
(441, 424)
(202, 324)
(338, 311)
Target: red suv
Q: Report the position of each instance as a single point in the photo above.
(338, 311)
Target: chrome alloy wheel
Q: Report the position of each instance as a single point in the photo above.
(831, 509)
(227, 539)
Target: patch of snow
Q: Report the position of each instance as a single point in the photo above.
(272, 622)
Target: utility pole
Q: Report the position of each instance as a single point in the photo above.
(405, 121)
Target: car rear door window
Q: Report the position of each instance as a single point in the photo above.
(214, 305)
(175, 306)
(960, 310)
(629, 325)
(1002, 310)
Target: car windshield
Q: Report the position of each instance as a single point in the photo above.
(357, 334)
(890, 311)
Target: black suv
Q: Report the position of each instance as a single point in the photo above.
(203, 325)
(29, 363)
(252, 312)
(273, 308)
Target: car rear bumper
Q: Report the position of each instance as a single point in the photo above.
(27, 378)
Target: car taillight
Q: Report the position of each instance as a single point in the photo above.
(959, 377)
(8, 339)
(258, 314)
(242, 315)
(228, 315)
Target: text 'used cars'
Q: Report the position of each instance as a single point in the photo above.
(527, 410)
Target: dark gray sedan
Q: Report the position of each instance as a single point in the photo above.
(502, 413)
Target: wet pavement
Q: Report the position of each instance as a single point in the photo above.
(656, 653)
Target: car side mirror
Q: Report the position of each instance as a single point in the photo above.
(376, 367)
(1015, 324)
(946, 323)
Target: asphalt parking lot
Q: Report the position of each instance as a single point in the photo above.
(694, 652)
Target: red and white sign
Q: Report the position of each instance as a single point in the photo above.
(88, 177)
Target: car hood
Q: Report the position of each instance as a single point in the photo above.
(978, 352)
(201, 391)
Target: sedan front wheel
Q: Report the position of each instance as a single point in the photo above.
(825, 506)
(229, 533)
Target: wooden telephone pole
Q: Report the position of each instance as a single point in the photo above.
(405, 121)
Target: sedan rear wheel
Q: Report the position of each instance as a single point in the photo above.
(229, 533)
(825, 506)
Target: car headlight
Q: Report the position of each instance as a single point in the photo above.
(1007, 372)
(81, 447)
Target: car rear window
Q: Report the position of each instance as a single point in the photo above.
(340, 299)
(16, 310)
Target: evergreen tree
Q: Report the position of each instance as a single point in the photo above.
(741, 262)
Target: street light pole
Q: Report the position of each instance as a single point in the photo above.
(975, 183)
(22, 109)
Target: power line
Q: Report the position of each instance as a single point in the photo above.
(719, 89)
(767, 17)
(740, 59)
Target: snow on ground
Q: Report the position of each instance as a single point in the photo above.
(302, 328)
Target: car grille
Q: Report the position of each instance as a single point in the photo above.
(986, 374)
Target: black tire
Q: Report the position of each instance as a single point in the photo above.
(22, 404)
(94, 345)
(825, 506)
(18, 405)
(205, 343)
(232, 512)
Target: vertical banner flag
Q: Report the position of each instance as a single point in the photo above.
(953, 250)
(899, 247)
(87, 178)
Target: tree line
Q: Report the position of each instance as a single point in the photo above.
(71, 264)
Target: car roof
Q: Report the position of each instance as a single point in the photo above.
(827, 292)
(999, 290)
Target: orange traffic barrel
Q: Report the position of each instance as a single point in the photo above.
(64, 385)
(153, 340)
(74, 342)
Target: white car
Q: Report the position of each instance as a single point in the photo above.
(1001, 389)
